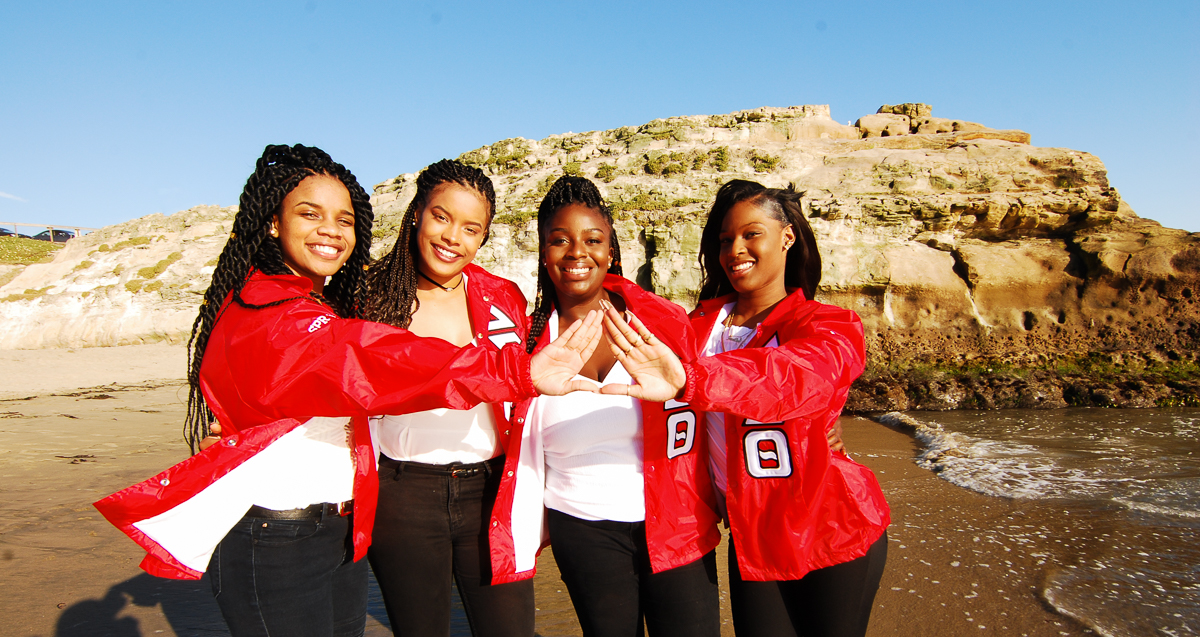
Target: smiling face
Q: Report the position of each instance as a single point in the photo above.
(754, 247)
(315, 228)
(577, 251)
(450, 228)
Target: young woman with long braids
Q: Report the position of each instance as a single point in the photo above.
(623, 483)
(439, 470)
(808, 525)
(279, 511)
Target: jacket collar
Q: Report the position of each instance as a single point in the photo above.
(791, 308)
(263, 288)
(490, 315)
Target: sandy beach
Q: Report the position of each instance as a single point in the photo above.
(76, 425)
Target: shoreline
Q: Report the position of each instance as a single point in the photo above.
(988, 389)
(952, 568)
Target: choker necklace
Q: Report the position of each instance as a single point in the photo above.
(426, 277)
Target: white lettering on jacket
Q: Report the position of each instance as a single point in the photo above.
(319, 322)
(502, 329)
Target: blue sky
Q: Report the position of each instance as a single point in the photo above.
(113, 110)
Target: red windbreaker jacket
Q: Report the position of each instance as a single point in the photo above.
(794, 505)
(267, 371)
(681, 518)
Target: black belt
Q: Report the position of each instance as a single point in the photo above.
(310, 512)
(454, 469)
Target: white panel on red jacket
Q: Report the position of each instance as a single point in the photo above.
(502, 330)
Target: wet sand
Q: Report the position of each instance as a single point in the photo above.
(75, 427)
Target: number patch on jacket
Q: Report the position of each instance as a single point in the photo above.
(767, 454)
(681, 433)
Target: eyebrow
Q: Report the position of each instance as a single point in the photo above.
(601, 230)
(746, 225)
(451, 213)
(343, 211)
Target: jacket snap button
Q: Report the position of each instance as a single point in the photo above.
(164, 482)
(510, 474)
(506, 432)
(520, 420)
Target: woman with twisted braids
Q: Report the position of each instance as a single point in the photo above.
(623, 483)
(439, 469)
(280, 511)
(807, 524)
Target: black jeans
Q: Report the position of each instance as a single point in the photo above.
(834, 601)
(290, 577)
(431, 524)
(606, 567)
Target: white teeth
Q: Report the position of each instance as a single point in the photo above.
(326, 250)
(578, 270)
(448, 254)
(745, 265)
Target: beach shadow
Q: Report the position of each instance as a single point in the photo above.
(189, 608)
(187, 605)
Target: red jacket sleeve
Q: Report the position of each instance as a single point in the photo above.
(303, 361)
(801, 377)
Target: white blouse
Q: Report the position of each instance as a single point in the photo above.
(593, 450)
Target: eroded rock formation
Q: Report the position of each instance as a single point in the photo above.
(953, 241)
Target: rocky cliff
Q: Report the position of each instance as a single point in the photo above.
(958, 245)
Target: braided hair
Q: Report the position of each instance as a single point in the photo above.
(566, 191)
(392, 280)
(277, 173)
(803, 266)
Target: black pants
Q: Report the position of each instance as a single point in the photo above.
(290, 577)
(606, 567)
(834, 601)
(430, 525)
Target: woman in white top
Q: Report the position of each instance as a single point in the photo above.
(629, 506)
(439, 469)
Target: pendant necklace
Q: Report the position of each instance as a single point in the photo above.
(728, 338)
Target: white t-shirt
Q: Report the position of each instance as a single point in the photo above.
(721, 339)
(438, 436)
(593, 450)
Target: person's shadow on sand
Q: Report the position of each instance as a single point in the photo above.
(188, 606)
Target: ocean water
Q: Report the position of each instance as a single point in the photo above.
(1124, 558)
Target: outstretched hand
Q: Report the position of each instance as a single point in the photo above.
(554, 368)
(659, 374)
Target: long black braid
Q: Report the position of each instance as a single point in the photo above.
(278, 172)
(392, 280)
(803, 266)
(566, 191)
